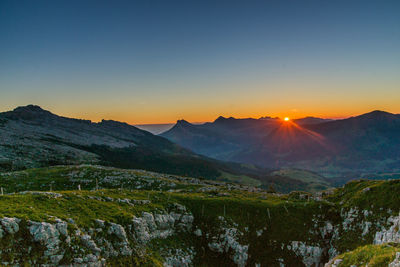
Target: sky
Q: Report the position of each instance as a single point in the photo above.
(160, 61)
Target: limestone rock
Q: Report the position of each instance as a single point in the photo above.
(311, 255)
(390, 235)
(227, 241)
(11, 225)
(396, 261)
(47, 234)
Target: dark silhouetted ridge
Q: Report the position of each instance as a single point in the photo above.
(29, 112)
(183, 122)
(310, 120)
(377, 115)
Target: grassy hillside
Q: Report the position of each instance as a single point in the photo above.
(314, 181)
(193, 222)
(369, 256)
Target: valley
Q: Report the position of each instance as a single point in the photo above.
(338, 149)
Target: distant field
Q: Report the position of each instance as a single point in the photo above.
(241, 179)
(315, 181)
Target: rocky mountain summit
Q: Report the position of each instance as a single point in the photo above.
(98, 216)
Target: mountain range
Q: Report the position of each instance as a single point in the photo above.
(348, 147)
(31, 137)
(84, 213)
(265, 152)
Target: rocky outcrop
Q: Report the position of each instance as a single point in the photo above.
(227, 241)
(49, 236)
(333, 263)
(392, 234)
(161, 225)
(180, 258)
(10, 225)
(396, 261)
(123, 243)
(93, 247)
(311, 255)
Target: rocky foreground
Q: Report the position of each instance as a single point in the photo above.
(138, 218)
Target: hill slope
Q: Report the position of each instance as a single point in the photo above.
(33, 137)
(137, 218)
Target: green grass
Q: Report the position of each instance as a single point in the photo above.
(314, 181)
(241, 179)
(369, 194)
(70, 177)
(283, 218)
(76, 205)
(370, 255)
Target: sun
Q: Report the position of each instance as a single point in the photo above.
(286, 119)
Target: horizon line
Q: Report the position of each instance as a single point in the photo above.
(197, 122)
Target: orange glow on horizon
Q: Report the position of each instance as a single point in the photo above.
(150, 115)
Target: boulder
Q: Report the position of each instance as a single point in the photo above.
(10, 225)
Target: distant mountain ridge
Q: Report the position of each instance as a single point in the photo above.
(361, 144)
(310, 120)
(32, 137)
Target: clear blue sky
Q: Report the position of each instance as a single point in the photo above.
(158, 61)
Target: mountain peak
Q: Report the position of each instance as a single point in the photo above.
(377, 112)
(28, 112)
(377, 115)
(223, 119)
(112, 123)
(29, 108)
(182, 122)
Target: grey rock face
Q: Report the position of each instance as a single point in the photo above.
(227, 241)
(48, 235)
(119, 232)
(10, 225)
(158, 225)
(311, 255)
(89, 243)
(396, 261)
(92, 246)
(389, 235)
(180, 258)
